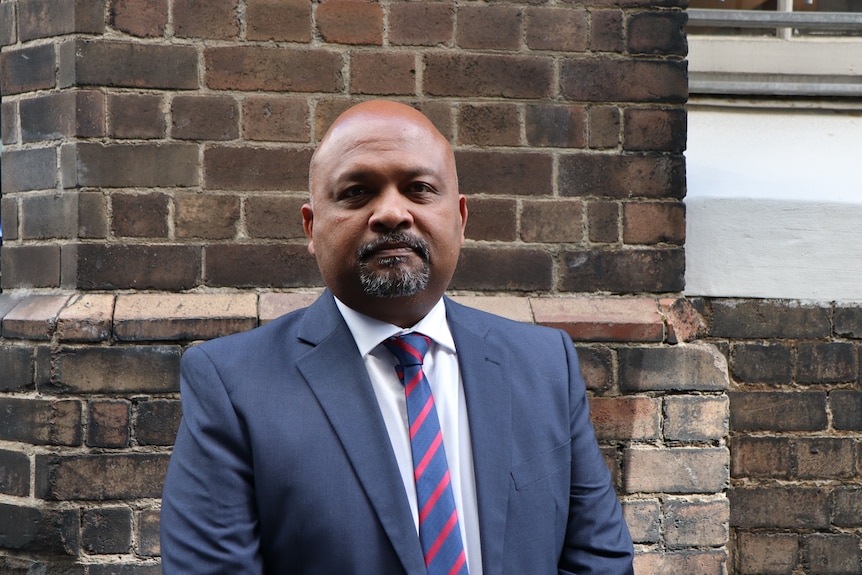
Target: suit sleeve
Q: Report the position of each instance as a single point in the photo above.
(209, 521)
(597, 539)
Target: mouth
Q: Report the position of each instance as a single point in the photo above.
(394, 247)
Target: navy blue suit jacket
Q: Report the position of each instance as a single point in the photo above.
(282, 464)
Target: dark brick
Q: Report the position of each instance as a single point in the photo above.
(16, 368)
(629, 271)
(251, 68)
(846, 407)
(207, 216)
(106, 530)
(256, 169)
(9, 119)
(695, 418)
(421, 23)
(128, 65)
(41, 421)
(761, 363)
(760, 457)
(767, 553)
(14, 473)
(562, 29)
(136, 116)
(46, 216)
(63, 115)
(606, 34)
(139, 215)
(269, 265)
(215, 19)
(491, 75)
(660, 33)
(92, 215)
(504, 269)
(278, 20)
(148, 533)
(654, 222)
(125, 569)
(45, 18)
(492, 219)
(274, 217)
(825, 458)
(144, 18)
(157, 421)
(164, 267)
(275, 119)
(614, 176)
(350, 21)
(777, 411)
(676, 368)
(130, 370)
(39, 530)
(847, 507)
(831, 554)
(25, 170)
(27, 69)
(604, 80)
(489, 27)
(654, 130)
(108, 424)
(825, 362)
(695, 523)
(555, 221)
(597, 367)
(556, 126)
(604, 126)
(9, 218)
(779, 507)
(120, 476)
(386, 73)
(31, 266)
(204, 118)
(848, 321)
(749, 319)
(489, 125)
(604, 221)
(8, 21)
(327, 110)
(130, 165)
(519, 173)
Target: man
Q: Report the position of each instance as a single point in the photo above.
(294, 456)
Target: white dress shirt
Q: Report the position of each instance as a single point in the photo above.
(444, 377)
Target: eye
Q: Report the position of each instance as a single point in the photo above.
(420, 188)
(353, 193)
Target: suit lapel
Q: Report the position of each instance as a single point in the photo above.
(337, 376)
(488, 393)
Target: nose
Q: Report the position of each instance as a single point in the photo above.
(390, 211)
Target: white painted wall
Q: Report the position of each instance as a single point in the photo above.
(774, 204)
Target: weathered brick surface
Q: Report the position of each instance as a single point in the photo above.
(831, 554)
(122, 476)
(62, 114)
(275, 119)
(826, 362)
(255, 169)
(9, 119)
(350, 21)
(108, 423)
(8, 20)
(206, 216)
(686, 366)
(107, 530)
(825, 458)
(697, 418)
(606, 34)
(551, 221)
(33, 169)
(550, 28)
(86, 317)
(653, 223)
(701, 562)
(761, 457)
(16, 368)
(270, 265)
(598, 319)
(217, 19)
(141, 369)
(848, 321)
(492, 219)
(604, 126)
(603, 222)
(204, 118)
(556, 126)
(135, 116)
(144, 18)
(520, 173)
(696, 523)
(27, 69)
(489, 27)
(643, 518)
(14, 473)
(148, 533)
(779, 507)
(139, 215)
(278, 20)
(627, 418)
(137, 266)
(30, 266)
(657, 33)
(421, 23)
(156, 421)
(489, 124)
(34, 317)
(273, 69)
(778, 411)
(492, 75)
(605, 79)
(383, 73)
(762, 363)
(846, 406)
(749, 319)
(767, 553)
(620, 177)
(41, 422)
(511, 269)
(44, 18)
(32, 529)
(130, 165)
(676, 470)
(47, 216)
(654, 130)
(846, 506)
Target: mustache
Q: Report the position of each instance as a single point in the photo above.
(418, 245)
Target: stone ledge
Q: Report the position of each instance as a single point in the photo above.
(187, 317)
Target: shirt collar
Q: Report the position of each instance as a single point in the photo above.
(369, 332)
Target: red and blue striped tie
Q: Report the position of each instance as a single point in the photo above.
(439, 531)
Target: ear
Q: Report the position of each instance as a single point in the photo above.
(462, 206)
(307, 225)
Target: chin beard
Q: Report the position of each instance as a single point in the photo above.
(396, 279)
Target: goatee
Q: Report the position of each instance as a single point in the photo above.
(397, 279)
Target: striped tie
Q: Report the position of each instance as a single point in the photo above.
(438, 519)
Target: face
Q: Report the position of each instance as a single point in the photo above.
(385, 221)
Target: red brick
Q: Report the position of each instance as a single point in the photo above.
(696, 523)
(144, 18)
(489, 125)
(691, 366)
(696, 418)
(511, 269)
(108, 267)
(86, 317)
(556, 221)
(655, 32)
(139, 215)
(676, 470)
(604, 126)
(624, 271)
(62, 115)
(597, 367)
(513, 307)
(489, 27)
(556, 126)
(684, 322)
(39, 530)
(106, 530)
(760, 457)
(108, 423)
(157, 421)
(601, 319)
(767, 553)
(130, 165)
(206, 19)
(31, 266)
(654, 130)
(207, 216)
(41, 422)
(825, 458)
(26, 170)
(34, 317)
(274, 305)
(275, 119)
(615, 176)
(603, 222)
(350, 22)
(143, 369)
(491, 75)
(204, 118)
(826, 362)
(256, 169)
(606, 34)
(383, 73)
(654, 222)
(779, 507)
(278, 20)
(44, 18)
(767, 319)
(778, 411)
(492, 219)
(420, 23)
(831, 554)
(520, 173)
(121, 476)
(14, 473)
(137, 116)
(643, 518)
(274, 217)
(251, 68)
(605, 79)
(27, 69)
(561, 29)
(255, 265)
(626, 418)
(675, 563)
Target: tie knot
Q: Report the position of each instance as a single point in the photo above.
(410, 348)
